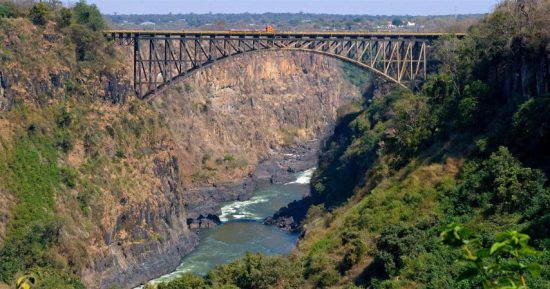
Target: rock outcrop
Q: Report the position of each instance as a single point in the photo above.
(248, 110)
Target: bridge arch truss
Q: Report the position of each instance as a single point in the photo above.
(162, 57)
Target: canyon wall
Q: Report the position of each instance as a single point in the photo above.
(249, 106)
(227, 118)
(131, 178)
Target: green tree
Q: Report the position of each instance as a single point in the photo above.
(89, 15)
(412, 123)
(187, 281)
(397, 22)
(500, 184)
(88, 43)
(39, 14)
(65, 17)
(256, 271)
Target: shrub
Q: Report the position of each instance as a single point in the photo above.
(412, 123)
(256, 271)
(120, 154)
(64, 118)
(355, 250)
(500, 184)
(321, 270)
(395, 244)
(88, 43)
(63, 140)
(39, 14)
(65, 17)
(531, 130)
(33, 176)
(6, 11)
(500, 265)
(89, 15)
(68, 176)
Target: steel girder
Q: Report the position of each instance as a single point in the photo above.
(161, 59)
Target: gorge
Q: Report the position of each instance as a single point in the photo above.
(332, 177)
(146, 176)
(260, 117)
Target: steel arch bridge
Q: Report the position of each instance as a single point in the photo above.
(160, 57)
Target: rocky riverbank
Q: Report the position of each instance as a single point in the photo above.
(290, 217)
(203, 205)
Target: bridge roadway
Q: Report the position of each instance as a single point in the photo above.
(279, 34)
(161, 56)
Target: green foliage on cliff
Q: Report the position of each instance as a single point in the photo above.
(29, 167)
(50, 198)
(31, 172)
(6, 10)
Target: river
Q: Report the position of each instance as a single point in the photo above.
(242, 230)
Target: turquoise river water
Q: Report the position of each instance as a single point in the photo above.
(242, 229)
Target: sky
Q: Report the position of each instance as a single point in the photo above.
(368, 7)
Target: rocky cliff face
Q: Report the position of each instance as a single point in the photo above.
(148, 237)
(119, 205)
(240, 112)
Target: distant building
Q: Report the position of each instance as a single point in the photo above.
(147, 23)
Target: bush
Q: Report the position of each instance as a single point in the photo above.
(502, 265)
(321, 270)
(68, 176)
(256, 271)
(6, 11)
(355, 250)
(397, 243)
(89, 16)
(33, 176)
(412, 122)
(65, 17)
(63, 140)
(39, 14)
(63, 118)
(500, 184)
(531, 130)
(88, 43)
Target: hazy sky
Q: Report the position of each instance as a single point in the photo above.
(371, 7)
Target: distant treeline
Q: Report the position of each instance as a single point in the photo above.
(295, 21)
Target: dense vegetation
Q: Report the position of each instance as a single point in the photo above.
(411, 183)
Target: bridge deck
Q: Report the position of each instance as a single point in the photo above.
(282, 34)
(161, 56)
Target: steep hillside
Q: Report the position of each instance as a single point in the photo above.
(92, 189)
(444, 188)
